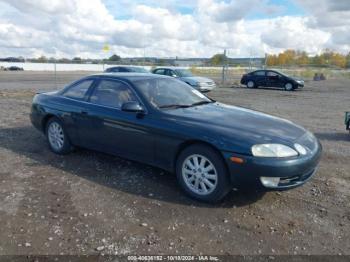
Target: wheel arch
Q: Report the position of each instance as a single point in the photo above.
(46, 119)
(191, 142)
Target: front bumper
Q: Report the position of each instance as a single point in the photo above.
(293, 172)
(347, 120)
(205, 88)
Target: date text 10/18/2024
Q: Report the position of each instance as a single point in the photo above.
(173, 258)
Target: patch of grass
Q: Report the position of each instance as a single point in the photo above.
(17, 94)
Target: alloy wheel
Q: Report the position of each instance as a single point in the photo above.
(56, 136)
(199, 174)
(288, 86)
(250, 84)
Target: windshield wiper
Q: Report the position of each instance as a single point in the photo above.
(174, 106)
(185, 106)
(202, 103)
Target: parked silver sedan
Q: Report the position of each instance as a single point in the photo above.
(202, 84)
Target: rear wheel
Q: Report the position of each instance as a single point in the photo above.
(251, 84)
(57, 137)
(202, 174)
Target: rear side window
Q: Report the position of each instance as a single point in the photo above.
(79, 90)
(112, 69)
(123, 69)
(112, 94)
(160, 72)
(259, 73)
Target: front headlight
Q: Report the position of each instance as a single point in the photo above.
(273, 150)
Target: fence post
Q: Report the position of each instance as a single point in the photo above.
(55, 67)
(223, 80)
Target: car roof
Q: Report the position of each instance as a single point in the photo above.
(173, 68)
(265, 70)
(129, 76)
(124, 67)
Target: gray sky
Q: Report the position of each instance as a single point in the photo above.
(191, 28)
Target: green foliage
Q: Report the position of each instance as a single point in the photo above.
(218, 59)
(42, 59)
(114, 58)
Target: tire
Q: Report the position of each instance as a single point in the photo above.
(193, 178)
(251, 84)
(288, 86)
(57, 137)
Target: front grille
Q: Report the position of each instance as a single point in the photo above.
(289, 180)
(284, 181)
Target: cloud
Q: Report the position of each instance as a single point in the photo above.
(332, 17)
(81, 28)
(229, 11)
(293, 33)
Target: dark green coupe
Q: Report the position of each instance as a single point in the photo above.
(162, 121)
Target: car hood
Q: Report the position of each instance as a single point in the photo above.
(297, 79)
(196, 79)
(230, 126)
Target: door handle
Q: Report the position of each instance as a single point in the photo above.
(84, 112)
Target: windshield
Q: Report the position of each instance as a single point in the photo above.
(183, 73)
(170, 93)
(138, 70)
(284, 74)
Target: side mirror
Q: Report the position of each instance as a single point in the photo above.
(132, 106)
(174, 75)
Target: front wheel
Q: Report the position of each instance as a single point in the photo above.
(57, 137)
(288, 87)
(202, 174)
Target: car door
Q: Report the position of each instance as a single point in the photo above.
(259, 78)
(273, 79)
(113, 130)
(74, 118)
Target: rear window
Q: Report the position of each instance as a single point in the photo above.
(259, 73)
(79, 90)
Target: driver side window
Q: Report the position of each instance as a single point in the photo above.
(170, 72)
(112, 94)
(272, 74)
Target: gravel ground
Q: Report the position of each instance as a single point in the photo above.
(90, 203)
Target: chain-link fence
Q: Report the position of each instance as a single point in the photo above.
(231, 76)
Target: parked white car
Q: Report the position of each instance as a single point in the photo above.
(202, 84)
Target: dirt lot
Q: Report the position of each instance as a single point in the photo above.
(87, 202)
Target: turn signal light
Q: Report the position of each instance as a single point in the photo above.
(237, 160)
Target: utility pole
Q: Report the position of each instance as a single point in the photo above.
(55, 67)
(223, 68)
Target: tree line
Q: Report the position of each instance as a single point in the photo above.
(292, 57)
